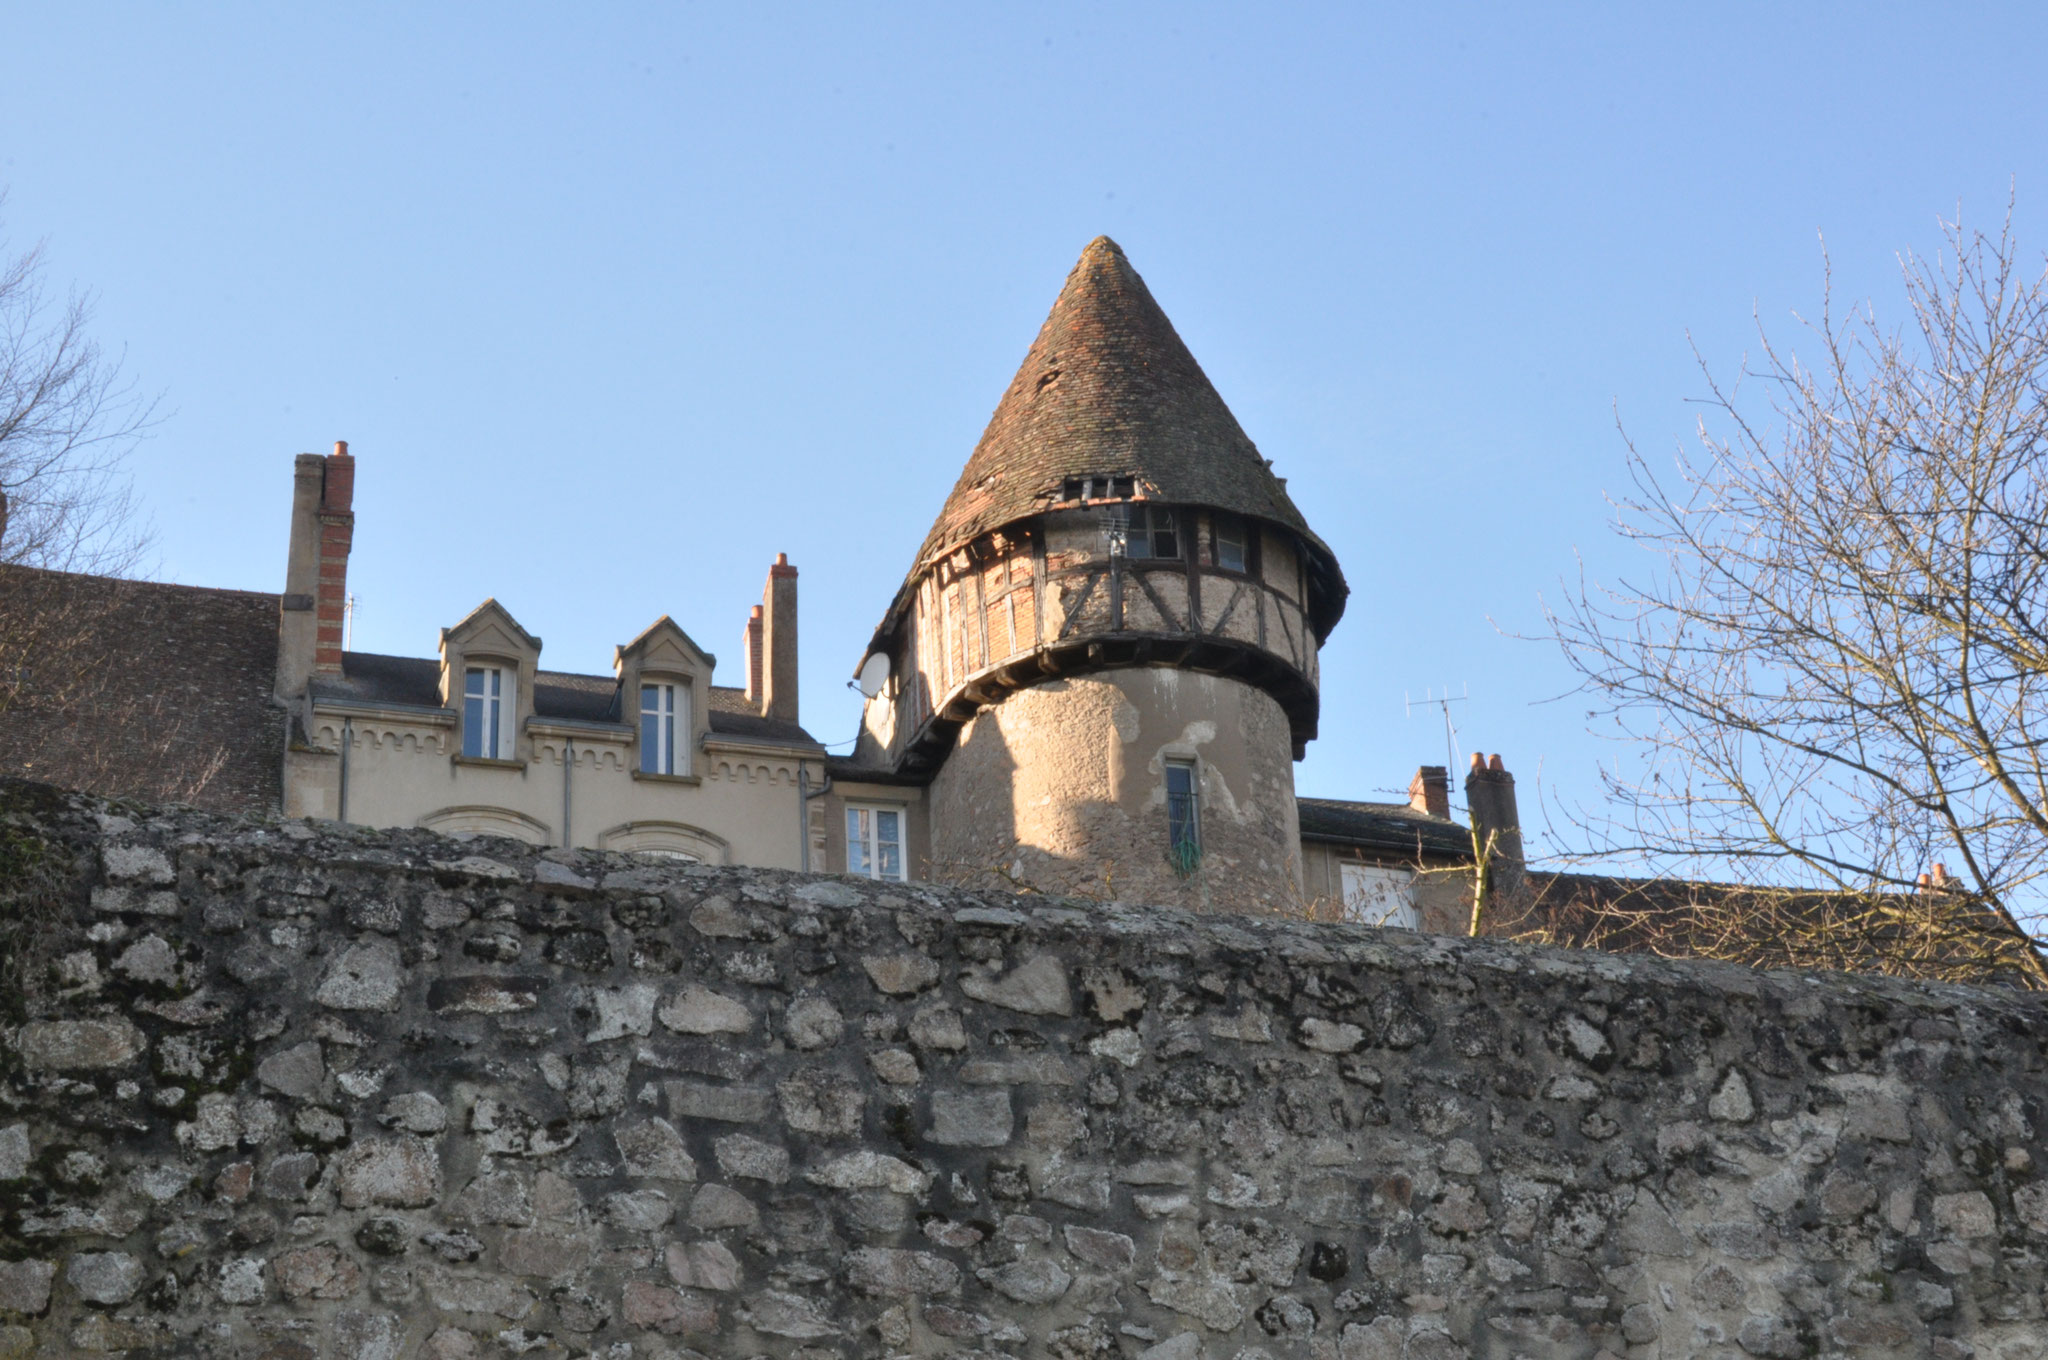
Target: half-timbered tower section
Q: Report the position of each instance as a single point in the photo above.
(1104, 657)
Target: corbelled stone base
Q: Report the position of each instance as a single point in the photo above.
(294, 1092)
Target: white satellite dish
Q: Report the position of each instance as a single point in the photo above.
(874, 673)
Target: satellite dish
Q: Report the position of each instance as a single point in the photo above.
(874, 673)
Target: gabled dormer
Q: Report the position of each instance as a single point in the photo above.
(488, 665)
(665, 693)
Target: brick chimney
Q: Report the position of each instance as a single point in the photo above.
(777, 667)
(1429, 792)
(750, 652)
(316, 569)
(1496, 823)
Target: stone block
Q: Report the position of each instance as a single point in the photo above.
(671, 1312)
(900, 974)
(821, 1101)
(699, 1010)
(399, 1172)
(365, 976)
(883, 1270)
(750, 1159)
(296, 1072)
(1037, 986)
(972, 1118)
(25, 1286)
(78, 1045)
(729, 1104)
(108, 1277)
(654, 1149)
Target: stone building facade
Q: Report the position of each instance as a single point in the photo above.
(1095, 679)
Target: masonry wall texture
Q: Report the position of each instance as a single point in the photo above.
(292, 1091)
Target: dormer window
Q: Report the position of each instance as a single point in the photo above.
(1120, 488)
(487, 713)
(662, 707)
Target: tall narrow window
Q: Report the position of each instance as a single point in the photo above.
(874, 842)
(486, 729)
(1229, 542)
(1183, 816)
(658, 729)
(1152, 533)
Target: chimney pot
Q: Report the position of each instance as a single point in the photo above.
(341, 448)
(1429, 792)
(778, 696)
(1497, 824)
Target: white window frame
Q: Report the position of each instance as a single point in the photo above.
(1380, 895)
(487, 718)
(864, 843)
(670, 751)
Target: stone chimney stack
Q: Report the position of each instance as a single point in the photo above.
(1429, 792)
(778, 642)
(312, 612)
(750, 654)
(1496, 824)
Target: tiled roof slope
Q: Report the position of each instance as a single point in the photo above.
(1109, 388)
(415, 682)
(140, 690)
(1393, 827)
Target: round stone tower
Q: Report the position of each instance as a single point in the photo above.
(1104, 657)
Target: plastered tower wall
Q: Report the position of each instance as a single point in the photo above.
(1062, 786)
(296, 1092)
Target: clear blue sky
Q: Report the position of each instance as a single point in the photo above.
(615, 302)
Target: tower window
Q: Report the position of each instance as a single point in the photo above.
(660, 706)
(1152, 533)
(486, 733)
(1229, 533)
(1183, 816)
(1117, 488)
(874, 842)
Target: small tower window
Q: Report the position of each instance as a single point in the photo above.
(1183, 816)
(1152, 533)
(486, 735)
(1230, 536)
(1117, 488)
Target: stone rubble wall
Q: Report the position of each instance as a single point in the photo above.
(290, 1091)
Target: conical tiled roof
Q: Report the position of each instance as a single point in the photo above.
(1109, 388)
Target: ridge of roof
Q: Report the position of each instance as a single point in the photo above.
(1109, 387)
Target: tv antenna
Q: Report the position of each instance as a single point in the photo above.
(1431, 699)
(348, 623)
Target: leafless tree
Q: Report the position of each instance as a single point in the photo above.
(1834, 673)
(68, 419)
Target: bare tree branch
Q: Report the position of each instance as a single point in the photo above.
(1833, 672)
(68, 420)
